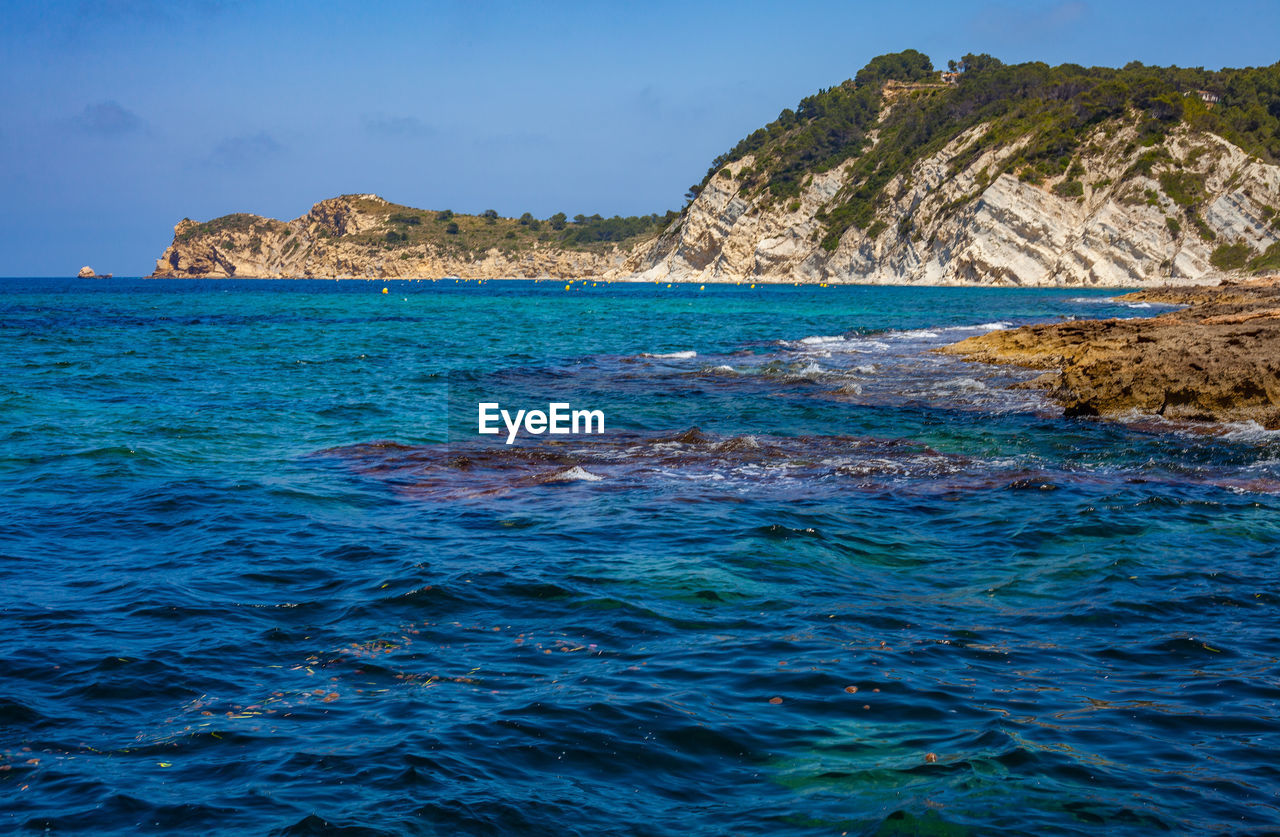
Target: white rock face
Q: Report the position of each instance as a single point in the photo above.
(941, 226)
(315, 245)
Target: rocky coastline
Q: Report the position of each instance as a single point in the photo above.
(367, 237)
(1215, 360)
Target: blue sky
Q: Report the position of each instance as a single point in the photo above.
(123, 116)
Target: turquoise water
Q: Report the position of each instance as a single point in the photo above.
(258, 572)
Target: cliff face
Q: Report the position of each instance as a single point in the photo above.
(360, 237)
(1143, 215)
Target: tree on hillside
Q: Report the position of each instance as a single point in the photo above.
(908, 65)
(972, 64)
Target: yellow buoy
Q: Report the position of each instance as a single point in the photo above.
(384, 290)
(702, 287)
(566, 287)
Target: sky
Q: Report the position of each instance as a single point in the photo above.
(121, 117)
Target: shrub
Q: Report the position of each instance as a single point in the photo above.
(1270, 260)
(452, 228)
(1231, 256)
(1183, 188)
(444, 215)
(1175, 229)
(1205, 231)
(1069, 189)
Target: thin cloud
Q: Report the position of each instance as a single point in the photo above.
(133, 12)
(108, 119)
(398, 127)
(513, 141)
(246, 151)
(1007, 22)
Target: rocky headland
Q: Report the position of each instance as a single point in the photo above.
(1217, 359)
(368, 237)
(994, 174)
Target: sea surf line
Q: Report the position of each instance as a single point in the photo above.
(559, 419)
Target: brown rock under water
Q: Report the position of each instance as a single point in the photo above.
(1216, 360)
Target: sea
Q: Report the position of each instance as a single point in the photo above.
(261, 574)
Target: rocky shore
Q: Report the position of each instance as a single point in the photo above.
(1218, 359)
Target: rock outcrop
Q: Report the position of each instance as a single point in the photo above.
(1216, 360)
(358, 237)
(1143, 216)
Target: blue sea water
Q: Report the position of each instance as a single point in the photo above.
(259, 574)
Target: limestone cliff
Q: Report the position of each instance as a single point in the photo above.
(948, 221)
(367, 237)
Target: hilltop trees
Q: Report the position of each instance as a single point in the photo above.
(908, 65)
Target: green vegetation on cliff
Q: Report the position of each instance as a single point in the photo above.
(398, 227)
(1051, 109)
(451, 232)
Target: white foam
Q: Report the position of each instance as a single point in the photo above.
(964, 385)
(1248, 431)
(677, 355)
(1000, 326)
(577, 472)
(824, 345)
